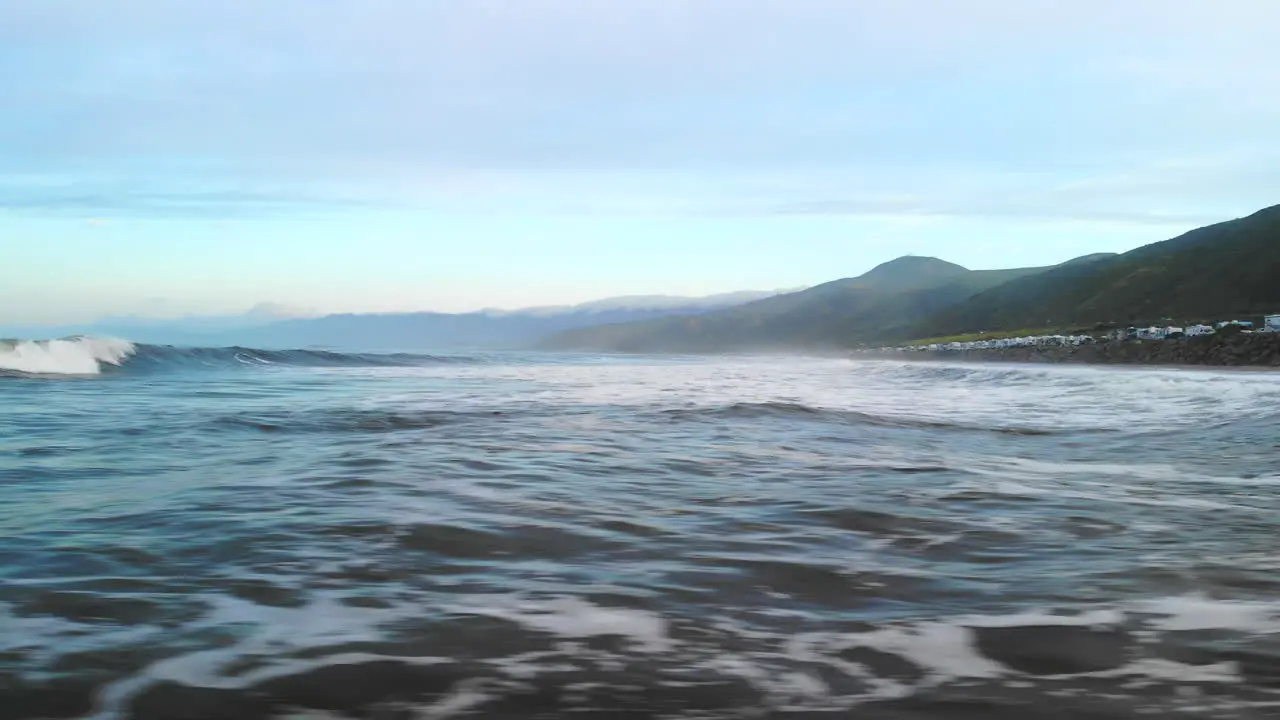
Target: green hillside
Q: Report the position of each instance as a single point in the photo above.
(1227, 270)
(1231, 269)
(886, 302)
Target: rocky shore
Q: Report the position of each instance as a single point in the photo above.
(1238, 350)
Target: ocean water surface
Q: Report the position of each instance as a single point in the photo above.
(231, 533)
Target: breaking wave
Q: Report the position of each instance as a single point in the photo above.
(69, 356)
(92, 356)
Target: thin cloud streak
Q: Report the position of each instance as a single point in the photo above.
(100, 201)
(855, 208)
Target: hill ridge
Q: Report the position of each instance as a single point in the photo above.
(882, 302)
(1219, 271)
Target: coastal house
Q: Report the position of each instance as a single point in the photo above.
(1271, 323)
(1160, 333)
(1198, 330)
(1004, 343)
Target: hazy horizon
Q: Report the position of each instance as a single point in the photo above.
(170, 160)
(268, 311)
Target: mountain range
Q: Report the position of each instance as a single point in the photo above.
(1230, 270)
(1226, 270)
(272, 326)
(474, 330)
(885, 302)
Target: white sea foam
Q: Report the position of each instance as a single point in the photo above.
(1050, 398)
(577, 618)
(44, 638)
(946, 651)
(1099, 617)
(461, 700)
(70, 356)
(1146, 672)
(273, 632)
(1198, 612)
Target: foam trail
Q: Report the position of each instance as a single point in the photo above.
(69, 356)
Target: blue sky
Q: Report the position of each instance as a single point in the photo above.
(164, 158)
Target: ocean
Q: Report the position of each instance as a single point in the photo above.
(235, 533)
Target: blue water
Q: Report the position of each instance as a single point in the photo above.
(243, 534)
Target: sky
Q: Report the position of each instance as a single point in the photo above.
(164, 159)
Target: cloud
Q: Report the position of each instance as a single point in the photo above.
(105, 200)
(997, 212)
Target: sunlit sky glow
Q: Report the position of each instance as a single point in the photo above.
(164, 158)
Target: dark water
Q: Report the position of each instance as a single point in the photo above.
(232, 534)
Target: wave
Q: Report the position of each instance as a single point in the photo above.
(69, 356)
(351, 420)
(84, 355)
(765, 410)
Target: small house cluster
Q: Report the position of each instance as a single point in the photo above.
(1270, 324)
(998, 344)
(1171, 332)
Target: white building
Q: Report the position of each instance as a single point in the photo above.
(1272, 323)
(1197, 330)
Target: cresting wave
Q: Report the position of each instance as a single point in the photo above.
(91, 356)
(69, 356)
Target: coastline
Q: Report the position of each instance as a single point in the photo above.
(1259, 350)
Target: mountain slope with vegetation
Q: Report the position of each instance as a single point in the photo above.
(1222, 271)
(883, 303)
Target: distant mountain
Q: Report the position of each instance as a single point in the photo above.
(264, 327)
(644, 303)
(1227, 270)
(885, 302)
(484, 329)
(183, 330)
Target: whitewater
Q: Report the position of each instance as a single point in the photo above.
(68, 356)
(251, 533)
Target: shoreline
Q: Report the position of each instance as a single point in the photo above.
(1257, 351)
